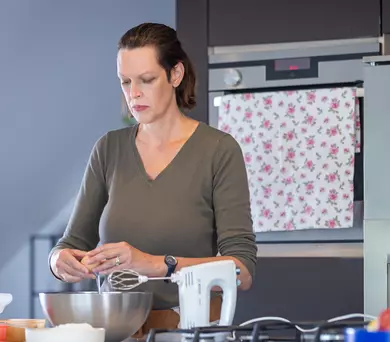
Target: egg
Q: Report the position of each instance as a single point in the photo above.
(89, 266)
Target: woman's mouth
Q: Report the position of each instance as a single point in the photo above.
(139, 108)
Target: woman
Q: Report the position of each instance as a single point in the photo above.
(166, 193)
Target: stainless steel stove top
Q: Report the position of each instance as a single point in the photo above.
(264, 331)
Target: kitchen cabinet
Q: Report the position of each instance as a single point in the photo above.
(386, 16)
(245, 22)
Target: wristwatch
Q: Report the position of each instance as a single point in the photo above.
(171, 263)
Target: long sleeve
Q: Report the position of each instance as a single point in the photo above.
(82, 231)
(232, 204)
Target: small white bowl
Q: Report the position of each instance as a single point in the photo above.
(5, 299)
(66, 333)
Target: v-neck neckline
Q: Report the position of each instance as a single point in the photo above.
(140, 164)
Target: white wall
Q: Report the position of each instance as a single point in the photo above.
(58, 93)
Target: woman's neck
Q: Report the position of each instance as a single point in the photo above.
(171, 128)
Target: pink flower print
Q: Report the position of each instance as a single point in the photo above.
(350, 206)
(322, 190)
(332, 223)
(324, 99)
(280, 193)
(345, 196)
(302, 220)
(331, 177)
(334, 106)
(310, 142)
(281, 103)
(226, 107)
(303, 130)
(259, 158)
(309, 165)
(248, 158)
(259, 114)
(267, 213)
(266, 124)
(267, 191)
(348, 172)
(303, 108)
(289, 136)
(309, 187)
(283, 170)
(301, 198)
(302, 153)
(347, 104)
(247, 139)
(290, 157)
(332, 196)
(333, 151)
(323, 144)
(289, 199)
(308, 210)
(226, 128)
(309, 120)
(333, 131)
(303, 176)
(238, 108)
(326, 120)
(357, 124)
(260, 179)
(348, 218)
(267, 101)
(324, 211)
(283, 214)
(346, 150)
(289, 225)
(310, 97)
(290, 92)
(266, 168)
(283, 125)
(267, 146)
(351, 160)
(288, 180)
(290, 110)
(260, 223)
(248, 115)
(248, 96)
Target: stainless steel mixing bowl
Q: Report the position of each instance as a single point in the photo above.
(120, 313)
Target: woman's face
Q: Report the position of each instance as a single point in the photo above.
(145, 85)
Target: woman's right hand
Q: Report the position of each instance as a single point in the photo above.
(66, 265)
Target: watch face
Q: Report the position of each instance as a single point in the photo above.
(170, 260)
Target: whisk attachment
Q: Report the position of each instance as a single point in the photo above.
(126, 280)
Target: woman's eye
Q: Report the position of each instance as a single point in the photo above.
(125, 82)
(150, 80)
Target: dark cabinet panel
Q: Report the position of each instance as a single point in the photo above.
(386, 16)
(303, 289)
(233, 22)
(191, 27)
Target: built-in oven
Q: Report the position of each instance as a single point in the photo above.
(302, 65)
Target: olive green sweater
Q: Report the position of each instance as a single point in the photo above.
(198, 206)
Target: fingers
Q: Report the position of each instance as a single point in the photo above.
(102, 248)
(106, 267)
(104, 255)
(70, 269)
(78, 254)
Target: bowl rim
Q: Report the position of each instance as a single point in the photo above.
(73, 293)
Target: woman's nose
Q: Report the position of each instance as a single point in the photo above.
(134, 91)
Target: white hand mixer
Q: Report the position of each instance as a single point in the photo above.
(195, 284)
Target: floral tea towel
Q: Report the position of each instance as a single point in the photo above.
(299, 151)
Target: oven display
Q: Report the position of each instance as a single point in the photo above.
(292, 64)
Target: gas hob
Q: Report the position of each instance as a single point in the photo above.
(260, 331)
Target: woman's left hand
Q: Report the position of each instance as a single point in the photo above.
(117, 256)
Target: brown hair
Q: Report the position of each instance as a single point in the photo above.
(169, 52)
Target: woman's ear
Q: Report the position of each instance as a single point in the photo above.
(177, 74)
